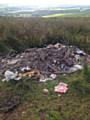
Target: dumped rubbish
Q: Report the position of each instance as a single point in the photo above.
(12, 62)
(32, 74)
(80, 52)
(25, 69)
(49, 62)
(77, 57)
(75, 68)
(45, 79)
(9, 75)
(53, 76)
(45, 91)
(61, 88)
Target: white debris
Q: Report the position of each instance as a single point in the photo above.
(53, 76)
(80, 52)
(27, 68)
(9, 75)
(79, 67)
(54, 61)
(42, 79)
(77, 57)
(11, 62)
(75, 68)
(57, 45)
(64, 74)
(62, 66)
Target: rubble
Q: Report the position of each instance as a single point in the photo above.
(48, 62)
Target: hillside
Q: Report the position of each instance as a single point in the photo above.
(44, 63)
(27, 11)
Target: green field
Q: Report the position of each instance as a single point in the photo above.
(54, 15)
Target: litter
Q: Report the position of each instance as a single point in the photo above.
(45, 79)
(77, 57)
(52, 59)
(24, 69)
(79, 67)
(75, 68)
(31, 74)
(45, 91)
(9, 75)
(61, 88)
(80, 52)
(53, 76)
(11, 62)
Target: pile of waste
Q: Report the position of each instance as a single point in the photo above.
(43, 63)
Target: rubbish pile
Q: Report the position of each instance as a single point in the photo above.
(43, 63)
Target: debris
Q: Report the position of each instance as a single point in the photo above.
(75, 68)
(31, 74)
(62, 66)
(59, 95)
(45, 79)
(61, 88)
(9, 75)
(77, 57)
(80, 52)
(64, 74)
(53, 76)
(45, 91)
(79, 67)
(54, 59)
(11, 62)
(25, 69)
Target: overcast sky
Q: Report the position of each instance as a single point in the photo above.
(44, 3)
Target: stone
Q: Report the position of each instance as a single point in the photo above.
(46, 91)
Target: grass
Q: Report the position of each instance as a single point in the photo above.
(36, 105)
(37, 32)
(54, 15)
